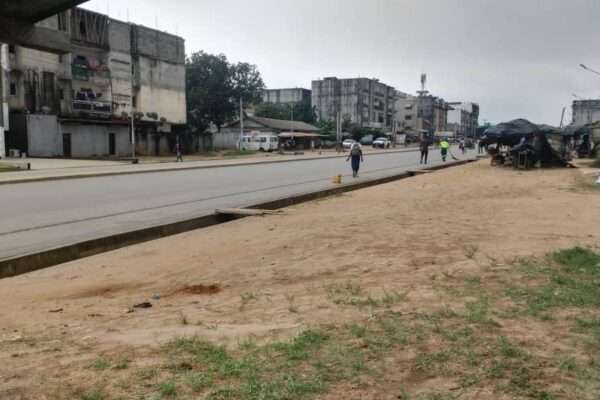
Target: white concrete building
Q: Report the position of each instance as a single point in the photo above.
(365, 102)
(586, 112)
(81, 104)
(463, 118)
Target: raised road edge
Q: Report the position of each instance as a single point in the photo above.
(35, 261)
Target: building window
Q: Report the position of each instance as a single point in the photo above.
(61, 93)
(408, 117)
(134, 102)
(82, 29)
(62, 21)
(13, 88)
(12, 49)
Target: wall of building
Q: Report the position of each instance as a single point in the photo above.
(42, 136)
(586, 111)
(161, 90)
(157, 45)
(27, 71)
(286, 95)
(93, 140)
(361, 101)
(120, 65)
(4, 119)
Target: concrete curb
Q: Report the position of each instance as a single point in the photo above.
(172, 169)
(36, 261)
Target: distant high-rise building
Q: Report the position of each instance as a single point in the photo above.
(586, 111)
(286, 96)
(421, 113)
(361, 101)
(463, 118)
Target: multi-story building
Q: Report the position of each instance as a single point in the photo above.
(586, 112)
(364, 102)
(3, 96)
(421, 113)
(82, 104)
(463, 118)
(287, 96)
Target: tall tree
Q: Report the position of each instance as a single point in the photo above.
(300, 111)
(247, 82)
(214, 87)
(209, 91)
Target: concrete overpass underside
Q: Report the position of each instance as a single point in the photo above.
(18, 19)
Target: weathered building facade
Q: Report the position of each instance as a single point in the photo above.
(422, 113)
(287, 96)
(463, 118)
(81, 104)
(586, 112)
(365, 102)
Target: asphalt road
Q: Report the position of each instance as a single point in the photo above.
(43, 215)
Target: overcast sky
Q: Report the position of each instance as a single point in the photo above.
(516, 58)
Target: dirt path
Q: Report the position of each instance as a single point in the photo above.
(273, 277)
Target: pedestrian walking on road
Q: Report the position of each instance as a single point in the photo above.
(424, 147)
(356, 155)
(444, 146)
(178, 151)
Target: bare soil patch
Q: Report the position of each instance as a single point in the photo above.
(436, 287)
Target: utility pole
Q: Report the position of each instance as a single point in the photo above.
(292, 124)
(338, 131)
(562, 118)
(132, 133)
(241, 121)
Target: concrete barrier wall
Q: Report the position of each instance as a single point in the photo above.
(225, 140)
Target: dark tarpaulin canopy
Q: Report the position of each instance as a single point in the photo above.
(510, 133)
(541, 143)
(576, 130)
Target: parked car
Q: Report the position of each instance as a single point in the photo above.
(382, 143)
(267, 143)
(347, 144)
(367, 140)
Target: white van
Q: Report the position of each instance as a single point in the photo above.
(267, 143)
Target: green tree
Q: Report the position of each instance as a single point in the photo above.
(327, 129)
(302, 111)
(246, 82)
(214, 87)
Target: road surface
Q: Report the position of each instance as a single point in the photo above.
(44, 215)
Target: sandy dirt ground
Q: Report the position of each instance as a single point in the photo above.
(267, 277)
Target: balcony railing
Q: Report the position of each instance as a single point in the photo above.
(98, 108)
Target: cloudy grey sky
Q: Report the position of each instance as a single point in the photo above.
(517, 58)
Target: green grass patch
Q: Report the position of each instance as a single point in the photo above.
(8, 168)
(571, 280)
(349, 294)
(101, 364)
(94, 394)
(239, 153)
(167, 389)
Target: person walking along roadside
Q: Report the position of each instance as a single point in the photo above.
(356, 155)
(178, 151)
(444, 146)
(424, 147)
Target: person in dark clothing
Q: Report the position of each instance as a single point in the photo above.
(178, 151)
(424, 147)
(356, 155)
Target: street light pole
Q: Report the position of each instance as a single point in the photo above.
(589, 69)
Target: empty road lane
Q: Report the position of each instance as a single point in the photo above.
(44, 215)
